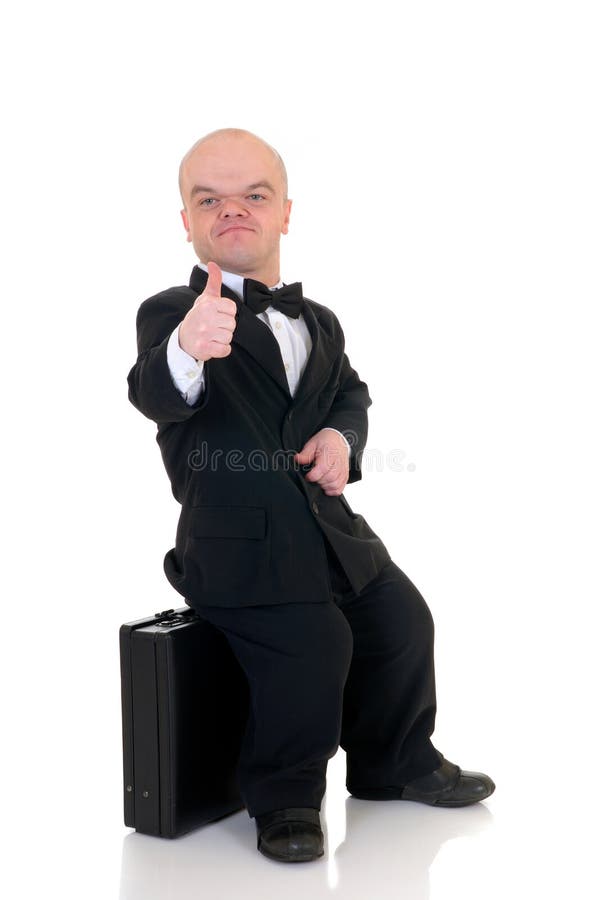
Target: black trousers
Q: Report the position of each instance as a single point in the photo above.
(356, 671)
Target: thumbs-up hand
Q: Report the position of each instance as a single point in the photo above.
(206, 329)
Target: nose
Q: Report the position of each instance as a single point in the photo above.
(232, 207)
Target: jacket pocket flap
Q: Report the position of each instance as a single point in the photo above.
(228, 522)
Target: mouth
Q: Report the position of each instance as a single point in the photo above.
(234, 228)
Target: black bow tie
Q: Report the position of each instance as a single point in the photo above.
(287, 299)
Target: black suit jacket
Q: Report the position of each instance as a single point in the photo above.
(251, 526)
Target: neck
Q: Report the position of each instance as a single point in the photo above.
(268, 274)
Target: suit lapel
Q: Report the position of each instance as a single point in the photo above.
(258, 340)
(321, 359)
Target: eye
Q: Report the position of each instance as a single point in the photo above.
(256, 197)
(208, 201)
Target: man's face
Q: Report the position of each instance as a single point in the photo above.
(235, 208)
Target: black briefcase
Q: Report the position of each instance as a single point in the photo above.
(184, 703)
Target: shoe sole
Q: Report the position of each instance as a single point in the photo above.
(308, 857)
(445, 803)
(453, 804)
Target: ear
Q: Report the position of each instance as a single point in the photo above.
(186, 225)
(287, 216)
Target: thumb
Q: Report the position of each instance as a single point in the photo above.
(214, 280)
(307, 453)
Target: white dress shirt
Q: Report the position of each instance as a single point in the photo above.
(292, 335)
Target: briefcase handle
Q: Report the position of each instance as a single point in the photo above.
(170, 618)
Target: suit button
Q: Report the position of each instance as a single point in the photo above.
(315, 507)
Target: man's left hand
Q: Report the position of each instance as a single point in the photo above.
(329, 453)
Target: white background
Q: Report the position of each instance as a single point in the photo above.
(444, 165)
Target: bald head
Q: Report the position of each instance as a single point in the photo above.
(226, 137)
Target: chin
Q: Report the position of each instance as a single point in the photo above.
(237, 264)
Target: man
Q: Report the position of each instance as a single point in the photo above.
(261, 423)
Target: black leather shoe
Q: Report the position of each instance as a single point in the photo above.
(290, 835)
(449, 785)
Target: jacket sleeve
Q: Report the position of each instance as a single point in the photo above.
(349, 413)
(151, 388)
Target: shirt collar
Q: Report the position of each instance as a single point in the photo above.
(235, 282)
